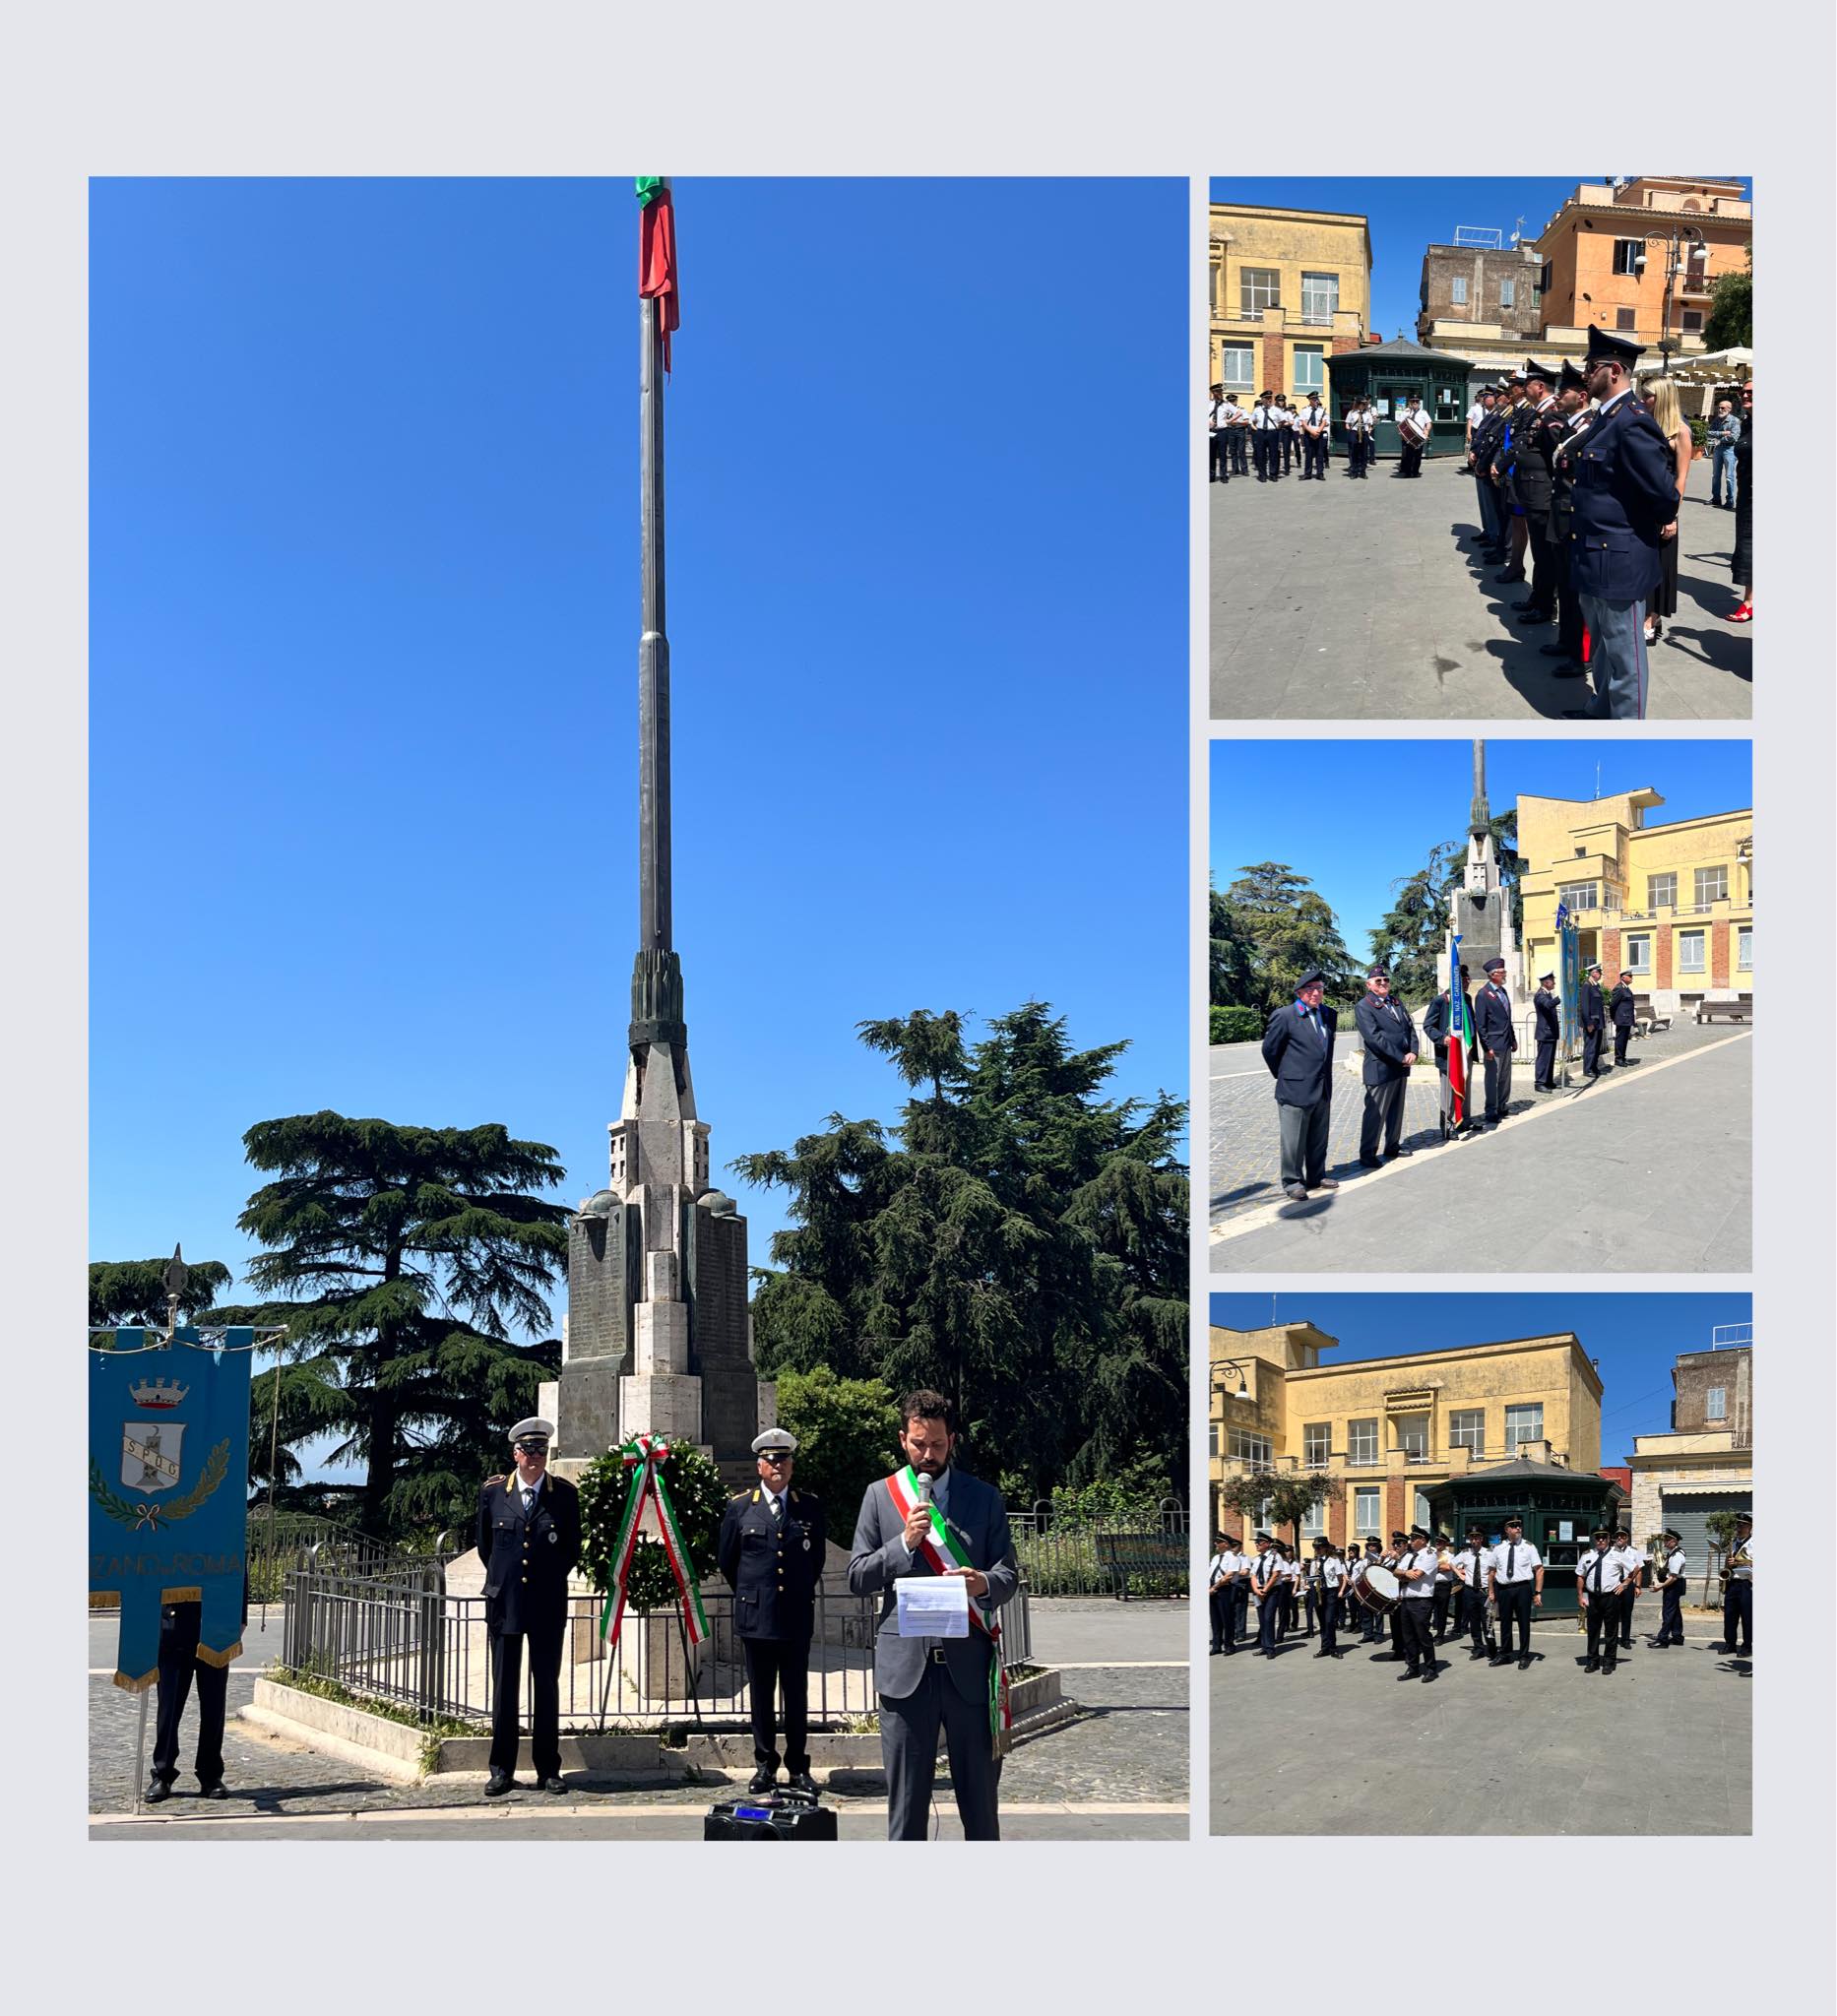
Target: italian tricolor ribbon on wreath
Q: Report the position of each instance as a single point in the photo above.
(642, 1456)
(945, 1552)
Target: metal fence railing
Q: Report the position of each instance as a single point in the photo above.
(1143, 1552)
(404, 1640)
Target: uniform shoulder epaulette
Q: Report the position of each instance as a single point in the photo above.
(737, 1496)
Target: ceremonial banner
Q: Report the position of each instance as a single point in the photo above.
(169, 1489)
(657, 255)
(1569, 979)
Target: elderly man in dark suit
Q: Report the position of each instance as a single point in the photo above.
(1549, 1031)
(1297, 1047)
(1594, 1014)
(1497, 1038)
(919, 1522)
(528, 1540)
(1389, 1038)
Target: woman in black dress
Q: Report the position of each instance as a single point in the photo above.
(1742, 565)
(1670, 416)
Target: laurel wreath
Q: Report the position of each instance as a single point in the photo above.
(163, 1511)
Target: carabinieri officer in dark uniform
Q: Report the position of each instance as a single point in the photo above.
(1549, 1028)
(1594, 1021)
(771, 1550)
(528, 1540)
(1622, 1009)
(1624, 495)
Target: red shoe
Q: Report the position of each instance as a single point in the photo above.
(1744, 615)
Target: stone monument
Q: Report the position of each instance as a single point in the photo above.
(1481, 906)
(658, 1338)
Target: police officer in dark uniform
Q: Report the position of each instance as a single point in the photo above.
(1489, 437)
(1549, 1028)
(180, 1663)
(1533, 444)
(1620, 1011)
(1624, 495)
(1567, 433)
(771, 1551)
(528, 1540)
(1594, 1021)
(1389, 1038)
(1496, 1037)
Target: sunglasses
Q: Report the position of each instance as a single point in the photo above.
(775, 1457)
(532, 1448)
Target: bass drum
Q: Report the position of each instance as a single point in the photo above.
(1379, 1590)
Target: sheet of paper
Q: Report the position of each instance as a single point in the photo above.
(932, 1606)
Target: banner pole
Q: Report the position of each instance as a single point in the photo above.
(140, 1755)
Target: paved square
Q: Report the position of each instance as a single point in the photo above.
(1650, 1170)
(1366, 601)
(1302, 1745)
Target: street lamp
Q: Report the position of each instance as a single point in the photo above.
(1678, 236)
(1236, 1365)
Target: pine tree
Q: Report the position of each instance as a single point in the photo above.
(1293, 930)
(1016, 1241)
(399, 1258)
(133, 1291)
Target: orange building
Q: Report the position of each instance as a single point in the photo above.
(1609, 250)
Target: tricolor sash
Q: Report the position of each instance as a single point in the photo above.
(642, 1456)
(943, 1551)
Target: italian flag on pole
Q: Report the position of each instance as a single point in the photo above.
(656, 255)
(942, 1552)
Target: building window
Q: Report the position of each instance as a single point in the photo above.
(1413, 1436)
(1466, 1429)
(1316, 1444)
(1218, 1438)
(1546, 274)
(1744, 949)
(1690, 951)
(1693, 322)
(1252, 1449)
(1448, 402)
(1314, 1522)
(1237, 367)
(1320, 296)
(1712, 886)
(1258, 287)
(1576, 896)
(1457, 290)
(1361, 1443)
(1523, 1424)
(1661, 892)
(1716, 1406)
(1628, 253)
(1508, 292)
(1639, 952)
(1311, 367)
(1364, 1510)
(1418, 1515)
(1626, 318)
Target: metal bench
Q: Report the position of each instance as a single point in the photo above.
(1158, 1557)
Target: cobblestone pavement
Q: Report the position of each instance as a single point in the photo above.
(1346, 1746)
(1649, 1139)
(1118, 1769)
(1365, 601)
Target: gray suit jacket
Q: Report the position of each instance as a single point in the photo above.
(979, 1521)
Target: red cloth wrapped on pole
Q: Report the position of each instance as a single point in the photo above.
(657, 255)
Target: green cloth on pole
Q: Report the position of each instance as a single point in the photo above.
(648, 187)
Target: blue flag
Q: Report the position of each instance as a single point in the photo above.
(169, 1489)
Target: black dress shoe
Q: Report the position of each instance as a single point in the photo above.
(1593, 1666)
(1410, 1673)
(1501, 1659)
(552, 1783)
(802, 1781)
(1429, 1676)
(157, 1790)
(1295, 1191)
(1524, 1664)
(1328, 1183)
(1369, 1163)
(762, 1781)
(1396, 1151)
(498, 1783)
(213, 1792)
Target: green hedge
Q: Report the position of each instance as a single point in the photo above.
(1236, 1026)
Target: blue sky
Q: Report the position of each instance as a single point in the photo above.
(1357, 817)
(364, 617)
(1410, 212)
(1632, 1338)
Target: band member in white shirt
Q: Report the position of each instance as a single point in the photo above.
(1330, 1588)
(1313, 424)
(1357, 424)
(1738, 1602)
(1413, 436)
(1222, 1594)
(1263, 437)
(1416, 1570)
(1236, 424)
(1218, 439)
(1634, 1563)
(1286, 434)
(1471, 1567)
(1266, 1587)
(1515, 1581)
(1600, 1576)
(1672, 1590)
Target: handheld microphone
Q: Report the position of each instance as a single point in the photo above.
(923, 1480)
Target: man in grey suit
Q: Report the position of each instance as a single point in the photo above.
(925, 1683)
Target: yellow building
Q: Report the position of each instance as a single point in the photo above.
(1288, 290)
(1387, 1431)
(1674, 903)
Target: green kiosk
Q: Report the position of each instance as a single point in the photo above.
(1560, 1509)
(1386, 373)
